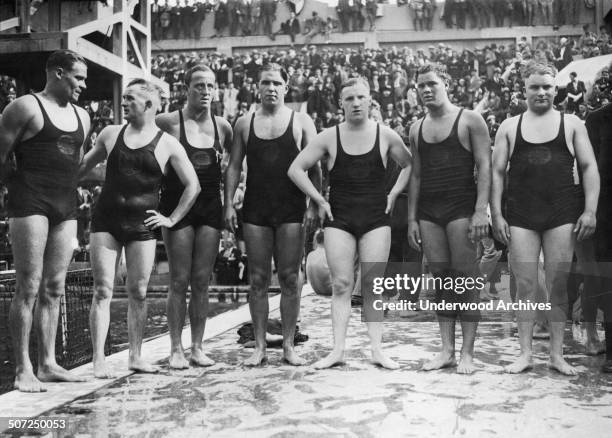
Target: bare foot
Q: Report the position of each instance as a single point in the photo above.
(177, 360)
(378, 358)
(198, 358)
(258, 358)
(559, 364)
(291, 357)
(103, 371)
(55, 373)
(523, 363)
(594, 348)
(442, 360)
(26, 381)
(334, 358)
(466, 364)
(140, 366)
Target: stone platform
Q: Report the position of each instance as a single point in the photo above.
(356, 399)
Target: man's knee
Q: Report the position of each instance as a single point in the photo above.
(54, 287)
(259, 282)
(342, 285)
(102, 291)
(200, 282)
(288, 279)
(178, 286)
(137, 290)
(28, 284)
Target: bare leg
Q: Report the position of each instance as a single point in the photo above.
(139, 258)
(29, 237)
(58, 254)
(288, 249)
(340, 250)
(524, 254)
(587, 263)
(179, 247)
(558, 245)
(437, 252)
(464, 262)
(105, 253)
(204, 256)
(374, 248)
(259, 243)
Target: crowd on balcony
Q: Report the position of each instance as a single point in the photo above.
(485, 78)
(175, 19)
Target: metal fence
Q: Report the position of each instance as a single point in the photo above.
(73, 342)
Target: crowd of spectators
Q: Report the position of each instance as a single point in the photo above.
(486, 79)
(8, 91)
(174, 19)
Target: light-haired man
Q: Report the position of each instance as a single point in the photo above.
(125, 217)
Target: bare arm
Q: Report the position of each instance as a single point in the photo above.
(414, 233)
(227, 136)
(13, 123)
(307, 159)
(500, 164)
(481, 148)
(178, 159)
(98, 152)
(309, 132)
(585, 156)
(232, 174)
(163, 122)
(402, 156)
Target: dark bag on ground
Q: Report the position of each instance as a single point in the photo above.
(247, 336)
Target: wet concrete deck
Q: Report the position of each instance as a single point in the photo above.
(357, 399)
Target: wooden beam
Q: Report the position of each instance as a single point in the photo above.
(96, 54)
(136, 48)
(41, 42)
(24, 16)
(54, 9)
(117, 93)
(9, 24)
(97, 25)
(138, 26)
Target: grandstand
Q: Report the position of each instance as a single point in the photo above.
(395, 24)
(114, 37)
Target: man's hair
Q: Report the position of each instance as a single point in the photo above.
(64, 59)
(537, 68)
(435, 68)
(273, 66)
(196, 68)
(354, 81)
(149, 87)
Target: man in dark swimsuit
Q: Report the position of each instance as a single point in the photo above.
(546, 208)
(357, 214)
(274, 208)
(192, 244)
(599, 127)
(46, 133)
(450, 206)
(125, 216)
